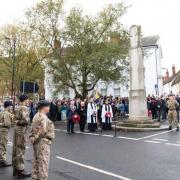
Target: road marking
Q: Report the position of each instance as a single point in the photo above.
(155, 142)
(146, 137)
(61, 130)
(107, 135)
(92, 134)
(129, 138)
(163, 140)
(97, 134)
(171, 144)
(93, 168)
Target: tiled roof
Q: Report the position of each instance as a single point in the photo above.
(173, 79)
(176, 79)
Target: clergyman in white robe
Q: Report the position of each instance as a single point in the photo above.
(92, 116)
(107, 116)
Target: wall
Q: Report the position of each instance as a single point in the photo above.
(153, 71)
(176, 88)
(167, 88)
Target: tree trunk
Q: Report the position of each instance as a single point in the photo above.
(84, 86)
(84, 93)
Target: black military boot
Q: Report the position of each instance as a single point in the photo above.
(22, 174)
(170, 127)
(177, 128)
(5, 164)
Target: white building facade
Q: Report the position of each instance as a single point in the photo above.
(153, 76)
(152, 64)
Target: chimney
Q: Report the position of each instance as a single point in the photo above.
(167, 74)
(173, 70)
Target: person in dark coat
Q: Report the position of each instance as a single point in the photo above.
(153, 107)
(72, 110)
(31, 114)
(53, 111)
(164, 108)
(177, 109)
(58, 116)
(82, 111)
(78, 102)
(159, 109)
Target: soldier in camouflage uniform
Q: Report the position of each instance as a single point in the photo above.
(41, 136)
(172, 104)
(19, 144)
(5, 123)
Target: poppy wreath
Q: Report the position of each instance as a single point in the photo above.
(76, 118)
(108, 114)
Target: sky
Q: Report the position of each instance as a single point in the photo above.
(157, 17)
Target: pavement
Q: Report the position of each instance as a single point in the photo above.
(101, 156)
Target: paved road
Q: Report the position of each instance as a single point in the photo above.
(129, 156)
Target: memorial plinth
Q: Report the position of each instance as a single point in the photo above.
(138, 116)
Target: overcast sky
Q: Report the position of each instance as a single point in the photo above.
(157, 17)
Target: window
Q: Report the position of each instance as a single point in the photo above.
(117, 92)
(104, 91)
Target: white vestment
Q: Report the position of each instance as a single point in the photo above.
(106, 109)
(91, 113)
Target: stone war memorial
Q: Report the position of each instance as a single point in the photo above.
(138, 116)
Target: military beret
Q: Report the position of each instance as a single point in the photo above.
(43, 103)
(7, 104)
(23, 97)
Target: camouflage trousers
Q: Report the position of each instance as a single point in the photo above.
(172, 117)
(19, 147)
(41, 160)
(3, 143)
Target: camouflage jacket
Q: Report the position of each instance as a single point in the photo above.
(172, 104)
(22, 116)
(6, 119)
(42, 128)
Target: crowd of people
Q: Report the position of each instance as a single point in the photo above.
(157, 106)
(59, 108)
(66, 109)
(92, 111)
